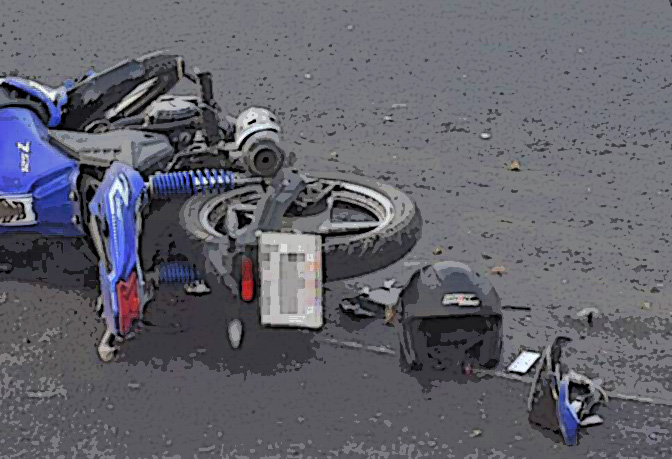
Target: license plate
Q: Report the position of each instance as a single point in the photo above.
(17, 210)
(291, 280)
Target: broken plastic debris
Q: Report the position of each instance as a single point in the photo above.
(498, 270)
(196, 288)
(388, 284)
(515, 166)
(384, 296)
(586, 311)
(438, 251)
(365, 290)
(356, 309)
(485, 135)
(593, 420)
(646, 305)
(3, 297)
(524, 362)
(475, 433)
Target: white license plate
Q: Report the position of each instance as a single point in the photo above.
(17, 210)
(291, 280)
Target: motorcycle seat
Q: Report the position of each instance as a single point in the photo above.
(143, 151)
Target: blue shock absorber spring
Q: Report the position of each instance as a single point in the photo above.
(191, 182)
(177, 273)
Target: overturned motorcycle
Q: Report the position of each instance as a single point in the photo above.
(114, 142)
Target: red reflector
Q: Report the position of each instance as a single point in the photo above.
(247, 287)
(129, 302)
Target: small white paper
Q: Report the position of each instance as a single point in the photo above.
(524, 362)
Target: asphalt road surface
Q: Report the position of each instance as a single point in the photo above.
(399, 92)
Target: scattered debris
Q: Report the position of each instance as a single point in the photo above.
(524, 362)
(398, 105)
(438, 251)
(511, 307)
(515, 166)
(368, 301)
(350, 27)
(475, 433)
(485, 135)
(563, 402)
(197, 288)
(47, 393)
(388, 284)
(3, 297)
(132, 385)
(387, 118)
(308, 76)
(390, 315)
(589, 313)
(498, 270)
(6, 268)
(356, 309)
(46, 336)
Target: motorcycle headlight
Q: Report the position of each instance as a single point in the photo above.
(257, 140)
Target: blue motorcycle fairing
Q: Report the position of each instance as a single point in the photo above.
(52, 98)
(34, 170)
(116, 208)
(567, 417)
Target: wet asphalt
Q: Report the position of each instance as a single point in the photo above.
(399, 92)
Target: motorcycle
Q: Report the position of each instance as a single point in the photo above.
(88, 159)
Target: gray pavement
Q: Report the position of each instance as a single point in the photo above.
(577, 91)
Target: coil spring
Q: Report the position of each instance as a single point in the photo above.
(191, 182)
(178, 273)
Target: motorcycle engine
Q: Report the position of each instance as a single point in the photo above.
(257, 139)
(175, 114)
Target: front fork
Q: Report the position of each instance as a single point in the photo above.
(116, 226)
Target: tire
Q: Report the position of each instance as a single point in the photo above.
(344, 256)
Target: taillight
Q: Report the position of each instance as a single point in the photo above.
(129, 302)
(247, 285)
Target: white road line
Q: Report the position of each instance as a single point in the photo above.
(496, 374)
(355, 345)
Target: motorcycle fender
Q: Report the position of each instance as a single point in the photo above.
(116, 224)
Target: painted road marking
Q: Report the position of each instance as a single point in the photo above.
(497, 374)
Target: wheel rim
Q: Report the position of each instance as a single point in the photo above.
(318, 210)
